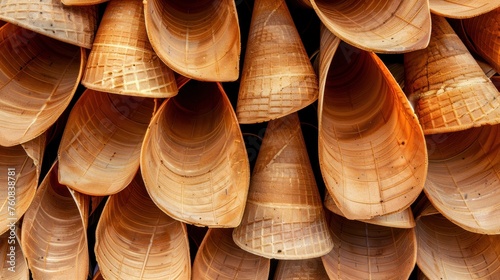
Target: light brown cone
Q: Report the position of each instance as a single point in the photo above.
(198, 39)
(122, 60)
(82, 2)
(308, 269)
(449, 89)
(73, 25)
(220, 258)
(278, 78)
(284, 217)
(462, 8)
(366, 251)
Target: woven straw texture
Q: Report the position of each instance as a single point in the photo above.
(308, 269)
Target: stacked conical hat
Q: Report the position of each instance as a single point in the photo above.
(462, 8)
(284, 217)
(311, 269)
(122, 60)
(277, 78)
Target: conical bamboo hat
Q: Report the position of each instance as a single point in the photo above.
(462, 8)
(122, 60)
(390, 26)
(463, 177)
(193, 158)
(371, 147)
(14, 264)
(308, 269)
(277, 78)
(82, 2)
(450, 90)
(38, 78)
(100, 148)
(73, 25)
(198, 39)
(366, 251)
(22, 166)
(54, 237)
(220, 258)
(284, 217)
(146, 243)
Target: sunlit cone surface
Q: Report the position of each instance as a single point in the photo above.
(371, 148)
(464, 177)
(101, 144)
(387, 26)
(446, 251)
(198, 39)
(73, 25)
(82, 2)
(21, 165)
(462, 8)
(277, 78)
(136, 240)
(220, 258)
(54, 237)
(38, 78)
(122, 60)
(366, 251)
(14, 266)
(308, 269)
(450, 90)
(193, 158)
(284, 217)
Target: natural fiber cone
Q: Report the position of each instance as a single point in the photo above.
(54, 236)
(82, 2)
(73, 25)
(446, 251)
(462, 8)
(308, 269)
(464, 177)
(14, 266)
(136, 240)
(22, 166)
(193, 158)
(365, 251)
(278, 78)
(38, 78)
(450, 90)
(284, 217)
(371, 147)
(122, 60)
(198, 39)
(220, 258)
(389, 26)
(101, 144)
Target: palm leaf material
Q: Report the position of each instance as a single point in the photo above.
(462, 8)
(312, 269)
(14, 266)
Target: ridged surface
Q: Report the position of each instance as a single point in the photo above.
(38, 78)
(73, 25)
(464, 177)
(308, 269)
(198, 39)
(462, 8)
(122, 60)
(284, 217)
(101, 144)
(14, 266)
(277, 77)
(193, 158)
(219, 258)
(450, 90)
(389, 26)
(365, 251)
(136, 240)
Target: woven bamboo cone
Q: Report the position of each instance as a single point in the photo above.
(366, 251)
(463, 177)
(73, 25)
(54, 236)
(38, 78)
(446, 251)
(136, 240)
(193, 159)
(450, 90)
(100, 148)
(371, 147)
(462, 8)
(390, 26)
(277, 78)
(198, 39)
(14, 266)
(284, 217)
(122, 60)
(308, 269)
(220, 258)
